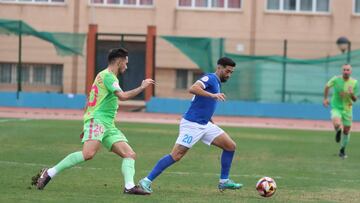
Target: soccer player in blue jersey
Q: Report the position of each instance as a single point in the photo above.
(196, 125)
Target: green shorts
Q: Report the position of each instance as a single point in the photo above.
(106, 133)
(345, 116)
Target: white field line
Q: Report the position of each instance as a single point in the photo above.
(181, 173)
(10, 120)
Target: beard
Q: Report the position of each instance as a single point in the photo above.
(223, 79)
(121, 71)
(346, 75)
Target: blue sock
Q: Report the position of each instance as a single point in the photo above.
(226, 160)
(160, 166)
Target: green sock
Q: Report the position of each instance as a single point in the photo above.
(69, 161)
(128, 171)
(345, 140)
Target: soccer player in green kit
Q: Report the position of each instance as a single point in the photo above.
(99, 124)
(345, 93)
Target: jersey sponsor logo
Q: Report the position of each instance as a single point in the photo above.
(205, 78)
(116, 85)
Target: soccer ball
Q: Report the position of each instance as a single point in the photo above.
(266, 187)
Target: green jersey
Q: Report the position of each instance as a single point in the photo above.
(341, 98)
(103, 103)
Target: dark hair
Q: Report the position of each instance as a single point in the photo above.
(225, 61)
(116, 53)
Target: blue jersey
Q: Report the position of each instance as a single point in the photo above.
(203, 108)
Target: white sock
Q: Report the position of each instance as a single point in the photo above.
(223, 180)
(147, 179)
(52, 172)
(129, 185)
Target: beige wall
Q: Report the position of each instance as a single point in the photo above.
(309, 34)
(51, 18)
(262, 33)
(166, 88)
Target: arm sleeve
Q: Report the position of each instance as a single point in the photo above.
(205, 81)
(356, 89)
(111, 83)
(331, 82)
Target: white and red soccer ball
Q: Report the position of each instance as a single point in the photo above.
(266, 186)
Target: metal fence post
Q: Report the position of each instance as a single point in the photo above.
(19, 63)
(284, 72)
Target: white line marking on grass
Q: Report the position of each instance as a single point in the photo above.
(182, 173)
(20, 163)
(9, 120)
(43, 165)
(216, 174)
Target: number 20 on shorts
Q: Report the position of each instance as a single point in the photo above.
(187, 139)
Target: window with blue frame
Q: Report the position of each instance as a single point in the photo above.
(357, 6)
(297, 6)
(35, 1)
(210, 4)
(134, 3)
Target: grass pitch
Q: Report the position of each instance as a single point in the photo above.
(304, 165)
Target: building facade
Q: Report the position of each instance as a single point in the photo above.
(252, 27)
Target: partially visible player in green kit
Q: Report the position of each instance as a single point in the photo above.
(346, 90)
(99, 124)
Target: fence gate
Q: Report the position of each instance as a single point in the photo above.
(136, 45)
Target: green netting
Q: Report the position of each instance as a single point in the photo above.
(65, 43)
(260, 78)
(209, 49)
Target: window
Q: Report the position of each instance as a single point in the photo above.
(322, 5)
(5, 72)
(185, 78)
(185, 3)
(357, 6)
(218, 3)
(210, 4)
(129, 2)
(290, 5)
(44, 75)
(307, 6)
(36, 1)
(25, 73)
(39, 73)
(201, 3)
(97, 1)
(197, 76)
(273, 5)
(234, 4)
(181, 79)
(146, 2)
(142, 3)
(56, 75)
(112, 1)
